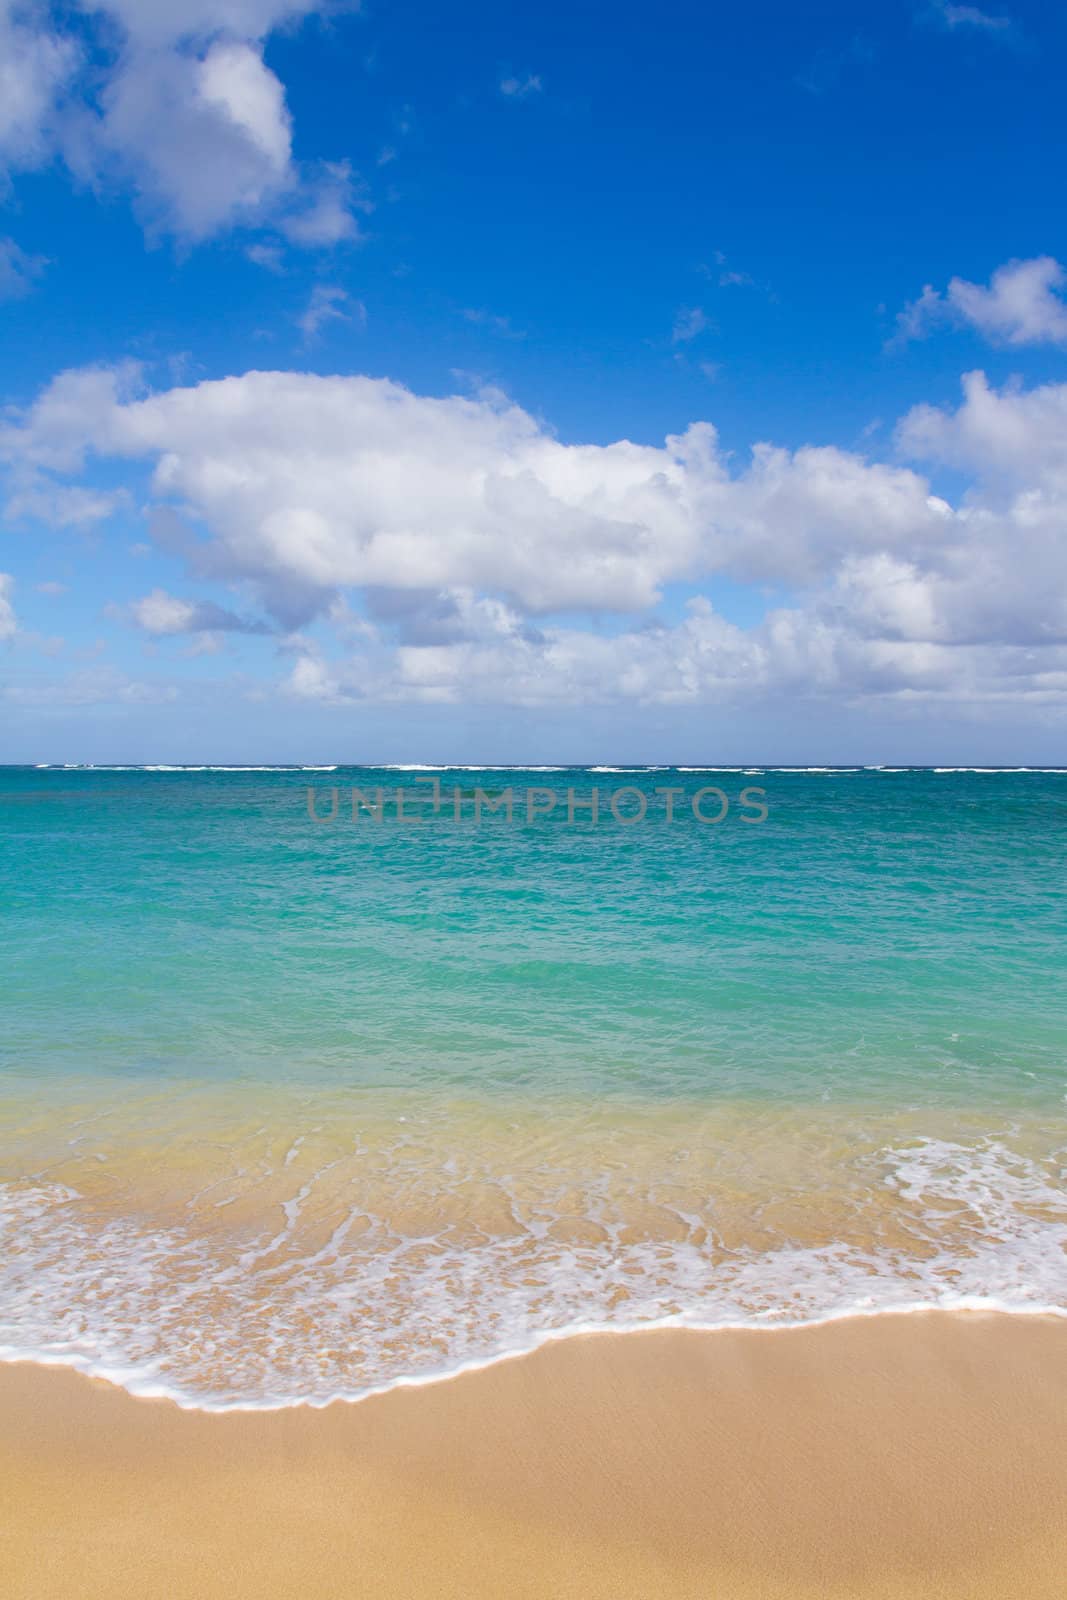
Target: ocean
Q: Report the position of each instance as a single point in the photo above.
(299, 1100)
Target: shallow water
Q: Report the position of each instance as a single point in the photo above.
(291, 1108)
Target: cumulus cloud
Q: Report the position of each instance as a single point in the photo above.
(704, 658)
(326, 482)
(204, 140)
(1005, 581)
(1021, 305)
(177, 103)
(162, 613)
(36, 65)
(502, 662)
(475, 544)
(1014, 435)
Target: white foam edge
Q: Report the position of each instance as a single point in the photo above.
(141, 1387)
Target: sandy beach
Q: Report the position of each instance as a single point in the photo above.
(892, 1456)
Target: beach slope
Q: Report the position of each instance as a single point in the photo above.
(892, 1456)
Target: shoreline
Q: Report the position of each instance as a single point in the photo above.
(183, 1400)
(230, 1245)
(895, 1455)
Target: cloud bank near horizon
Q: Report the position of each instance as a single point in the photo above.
(404, 547)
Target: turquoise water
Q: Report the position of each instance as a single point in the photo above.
(838, 1035)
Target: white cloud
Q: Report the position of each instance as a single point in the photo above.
(232, 80)
(179, 106)
(514, 88)
(1018, 436)
(36, 64)
(468, 531)
(1021, 306)
(728, 277)
(315, 483)
(964, 16)
(58, 440)
(326, 304)
(920, 317)
(156, 23)
(8, 624)
(1005, 580)
(41, 499)
(268, 256)
(18, 271)
(808, 652)
(205, 142)
(162, 613)
(688, 324)
(323, 210)
(497, 659)
(89, 686)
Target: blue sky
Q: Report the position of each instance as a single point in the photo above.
(500, 268)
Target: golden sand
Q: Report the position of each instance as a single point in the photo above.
(894, 1456)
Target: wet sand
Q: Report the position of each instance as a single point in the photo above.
(891, 1456)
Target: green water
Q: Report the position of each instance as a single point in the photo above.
(896, 935)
